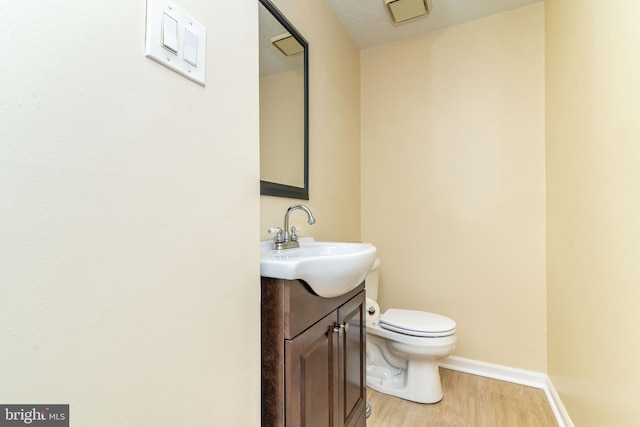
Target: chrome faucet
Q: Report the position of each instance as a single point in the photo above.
(283, 239)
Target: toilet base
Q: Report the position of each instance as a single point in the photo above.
(412, 377)
(428, 390)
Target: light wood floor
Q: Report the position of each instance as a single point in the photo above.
(469, 401)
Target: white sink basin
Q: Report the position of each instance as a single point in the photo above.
(329, 268)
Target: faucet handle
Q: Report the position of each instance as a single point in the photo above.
(279, 238)
(294, 236)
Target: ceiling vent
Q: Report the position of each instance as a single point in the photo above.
(403, 11)
(287, 44)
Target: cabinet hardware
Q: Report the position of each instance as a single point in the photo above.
(341, 328)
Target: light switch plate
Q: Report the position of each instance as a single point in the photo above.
(191, 65)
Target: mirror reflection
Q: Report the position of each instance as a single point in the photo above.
(283, 106)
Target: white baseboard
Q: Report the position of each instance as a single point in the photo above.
(558, 408)
(512, 375)
(497, 372)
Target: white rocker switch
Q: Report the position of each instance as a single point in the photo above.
(191, 47)
(169, 33)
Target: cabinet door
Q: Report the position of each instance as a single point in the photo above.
(311, 372)
(352, 363)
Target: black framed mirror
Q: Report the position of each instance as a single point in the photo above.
(284, 106)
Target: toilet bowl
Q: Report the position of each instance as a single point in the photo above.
(404, 347)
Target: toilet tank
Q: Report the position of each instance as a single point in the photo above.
(372, 280)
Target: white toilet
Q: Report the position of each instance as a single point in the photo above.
(403, 348)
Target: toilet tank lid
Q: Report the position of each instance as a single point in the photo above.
(417, 323)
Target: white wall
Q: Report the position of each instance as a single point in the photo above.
(453, 181)
(593, 181)
(129, 208)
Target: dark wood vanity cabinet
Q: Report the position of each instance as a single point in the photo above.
(313, 356)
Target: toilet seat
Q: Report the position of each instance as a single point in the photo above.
(417, 323)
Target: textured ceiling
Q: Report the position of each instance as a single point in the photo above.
(369, 26)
